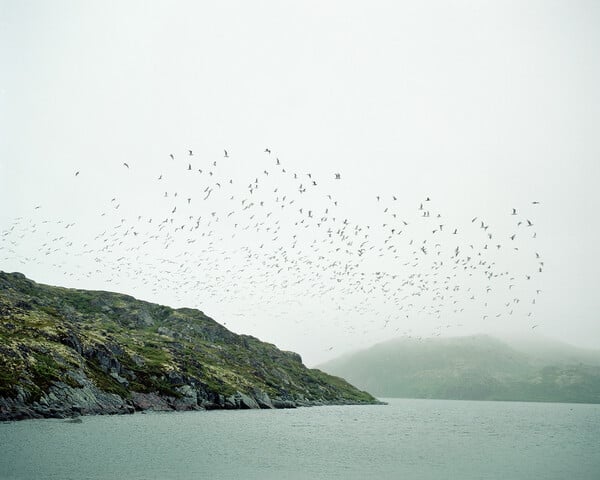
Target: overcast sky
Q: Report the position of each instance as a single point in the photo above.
(481, 106)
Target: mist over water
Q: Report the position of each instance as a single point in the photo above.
(417, 439)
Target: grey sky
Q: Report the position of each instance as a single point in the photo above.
(482, 106)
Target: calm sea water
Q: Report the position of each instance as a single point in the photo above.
(411, 439)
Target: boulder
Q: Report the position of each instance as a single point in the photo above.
(240, 400)
(262, 399)
(188, 399)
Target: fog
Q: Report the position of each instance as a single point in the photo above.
(463, 110)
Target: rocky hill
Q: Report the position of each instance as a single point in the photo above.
(65, 352)
(474, 368)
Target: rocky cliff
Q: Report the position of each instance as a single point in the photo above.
(66, 352)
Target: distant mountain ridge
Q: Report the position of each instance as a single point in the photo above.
(65, 352)
(474, 368)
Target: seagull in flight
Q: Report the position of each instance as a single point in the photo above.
(125, 164)
(338, 176)
(226, 154)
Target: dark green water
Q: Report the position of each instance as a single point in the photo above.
(408, 439)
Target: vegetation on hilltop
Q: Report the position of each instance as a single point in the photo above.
(474, 368)
(55, 340)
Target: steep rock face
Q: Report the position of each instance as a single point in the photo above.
(65, 352)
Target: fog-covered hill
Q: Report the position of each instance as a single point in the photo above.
(474, 368)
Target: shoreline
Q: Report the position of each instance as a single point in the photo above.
(63, 401)
(12, 411)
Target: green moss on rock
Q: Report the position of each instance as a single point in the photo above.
(123, 346)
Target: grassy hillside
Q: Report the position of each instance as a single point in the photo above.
(65, 351)
(473, 368)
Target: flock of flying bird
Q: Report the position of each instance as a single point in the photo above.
(281, 243)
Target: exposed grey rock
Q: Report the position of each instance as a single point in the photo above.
(145, 318)
(188, 399)
(72, 341)
(118, 378)
(96, 355)
(151, 401)
(241, 401)
(139, 361)
(247, 402)
(62, 401)
(262, 399)
(278, 403)
(166, 331)
(78, 377)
